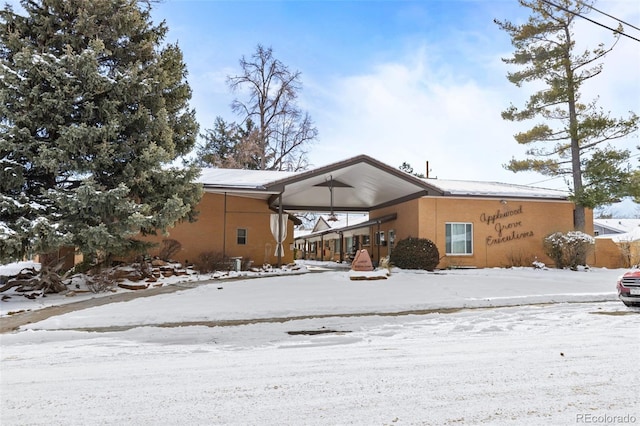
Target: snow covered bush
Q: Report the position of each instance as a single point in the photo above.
(415, 253)
(568, 249)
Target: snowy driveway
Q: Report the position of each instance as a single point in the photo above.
(559, 363)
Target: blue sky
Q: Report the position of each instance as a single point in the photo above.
(410, 81)
(400, 80)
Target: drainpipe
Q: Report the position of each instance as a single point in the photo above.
(224, 228)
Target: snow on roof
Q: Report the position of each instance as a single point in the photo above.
(620, 225)
(497, 189)
(239, 178)
(259, 179)
(345, 220)
(626, 237)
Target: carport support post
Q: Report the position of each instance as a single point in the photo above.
(281, 246)
(379, 242)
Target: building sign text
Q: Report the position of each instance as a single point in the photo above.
(506, 225)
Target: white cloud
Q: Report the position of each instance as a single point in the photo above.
(414, 111)
(420, 108)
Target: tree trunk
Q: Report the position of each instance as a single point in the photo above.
(576, 166)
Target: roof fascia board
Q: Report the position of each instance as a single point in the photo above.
(350, 162)
(404, 199)
(337, 231)
(325, 209)
(507, 197)
(238, 192)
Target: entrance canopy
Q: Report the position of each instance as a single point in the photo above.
(357, 184)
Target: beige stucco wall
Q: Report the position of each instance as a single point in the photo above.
(504, 233)
(216, 230)
(609, 254)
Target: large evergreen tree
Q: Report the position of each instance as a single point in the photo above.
(93, 112)
(230, 146)
(574, 137)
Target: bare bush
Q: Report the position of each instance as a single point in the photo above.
(100, 281)
(630, 253)
(169, 248)
(210, 261)
(143, 268)
(519, 259)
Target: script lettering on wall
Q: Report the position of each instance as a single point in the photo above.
(507, 226)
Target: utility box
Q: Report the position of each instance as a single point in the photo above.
(236, 263)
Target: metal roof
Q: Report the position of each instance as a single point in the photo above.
(357, 184)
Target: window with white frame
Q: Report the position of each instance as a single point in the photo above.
(379, 238)
(241, 236)
(459, 238)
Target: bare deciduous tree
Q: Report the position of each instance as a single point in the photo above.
(283, 129)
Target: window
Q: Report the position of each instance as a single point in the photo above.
(459, 238)
(348, 243)
(379, 238)
(392, 237)
(241, 236)
(366, 240)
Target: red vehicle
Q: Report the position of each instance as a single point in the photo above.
(629, 288)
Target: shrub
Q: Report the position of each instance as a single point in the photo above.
(630, 253)
(169, 248)
(415, 253)
(570, 249)
(519, 259)
(100, 281)
(210, 261)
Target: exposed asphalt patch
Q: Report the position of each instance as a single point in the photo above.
(238, 322)
(314, 332)
(615, 313)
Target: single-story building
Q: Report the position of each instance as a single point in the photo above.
(614, 226)
(251, 214)
(617, 243)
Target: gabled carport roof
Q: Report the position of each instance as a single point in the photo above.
(358, 184)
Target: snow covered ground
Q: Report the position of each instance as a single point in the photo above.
(523, 355)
